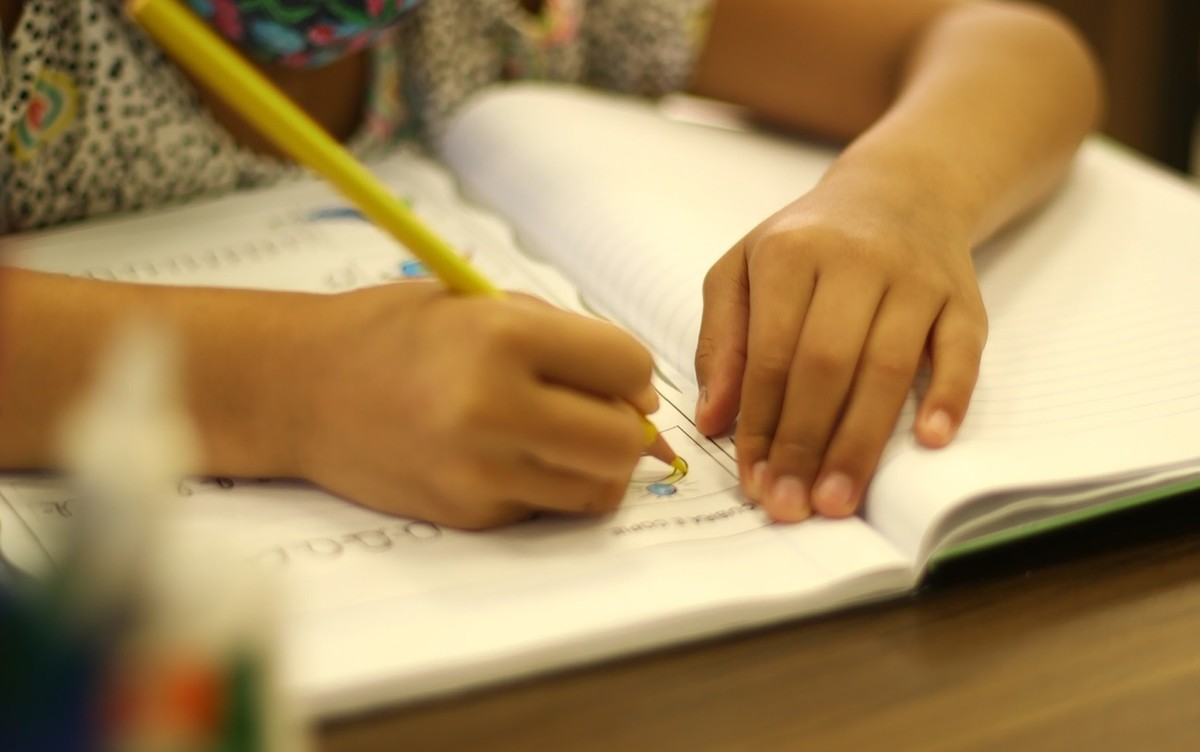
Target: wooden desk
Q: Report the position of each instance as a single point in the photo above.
(1083, 640)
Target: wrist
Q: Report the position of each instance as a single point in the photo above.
(920, 188)
(246, 358)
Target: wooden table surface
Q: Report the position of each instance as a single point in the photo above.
(1086, 639)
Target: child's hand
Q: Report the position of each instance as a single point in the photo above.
(814, 326)
(472, 411)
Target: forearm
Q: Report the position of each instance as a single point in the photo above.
(992, 104)
(239, 364)
(971, 109)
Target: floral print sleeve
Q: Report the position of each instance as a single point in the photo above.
(643, 47)
(95, 120)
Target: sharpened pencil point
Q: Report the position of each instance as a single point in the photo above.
(657, 446)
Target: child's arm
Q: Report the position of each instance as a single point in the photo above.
(465, 411)
(960, 115)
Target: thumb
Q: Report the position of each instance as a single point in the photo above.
(721, 347)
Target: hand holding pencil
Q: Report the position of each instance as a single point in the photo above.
(210, 60)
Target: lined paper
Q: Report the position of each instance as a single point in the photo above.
(382, 609)
(1085, 387)
(660, 203)
(1092, 369)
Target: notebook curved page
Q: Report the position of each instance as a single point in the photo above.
(1089, 393)
(381, 609)
(1089, 397)
(631, 206)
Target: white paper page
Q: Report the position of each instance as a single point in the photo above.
(631, 206)
(300, 236)
(317, 244)
(383, 608)
(1089, 372)
(1011, 514)
(1090, 368)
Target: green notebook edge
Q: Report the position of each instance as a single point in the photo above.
(1058, 522)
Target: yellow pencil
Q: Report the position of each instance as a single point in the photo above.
(198, 49)
(208, 57)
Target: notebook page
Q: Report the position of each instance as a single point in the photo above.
(299, 236)
(316, 244)
(632, 207)
(1091, 373)
(383, 608)
(1091, 369)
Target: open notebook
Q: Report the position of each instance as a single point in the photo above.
(1089, 398)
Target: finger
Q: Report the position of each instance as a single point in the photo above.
(556, 490)
(779, 303)
(499, 490)
(646, 401)
(576, 433)
(827, 354)
(588, 355)
(721, 347)
(529, 300)
(955, 350)
(882, 382)
(449, 499)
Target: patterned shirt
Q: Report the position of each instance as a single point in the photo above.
(96, 120)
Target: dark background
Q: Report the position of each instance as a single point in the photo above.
(1150, 50)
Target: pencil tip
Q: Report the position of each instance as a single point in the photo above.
(658, 448)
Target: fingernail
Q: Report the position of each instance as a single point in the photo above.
(938, 424)
(703, 400)
(757, 474)
(835, 493)
(788, 500)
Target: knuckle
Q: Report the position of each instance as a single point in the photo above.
(482, 517)
(641, 369)
(890, 367)
(502, 331)
(778, 248)
(856, 453)
(626, 448)
(965, 346)
(770, 367)
(980, 328)
(954, 391)
(714, 281)
(625, 462)
(527, 299)
(860, 255)
(724, 272)
(706, 348)
(796, 451)
(928, 283)
(751, 446)
(468, 408)
(489, 513)
(465, 480)
(826, 361)
(605, 498)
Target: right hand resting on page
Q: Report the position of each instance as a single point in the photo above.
(470, 411)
